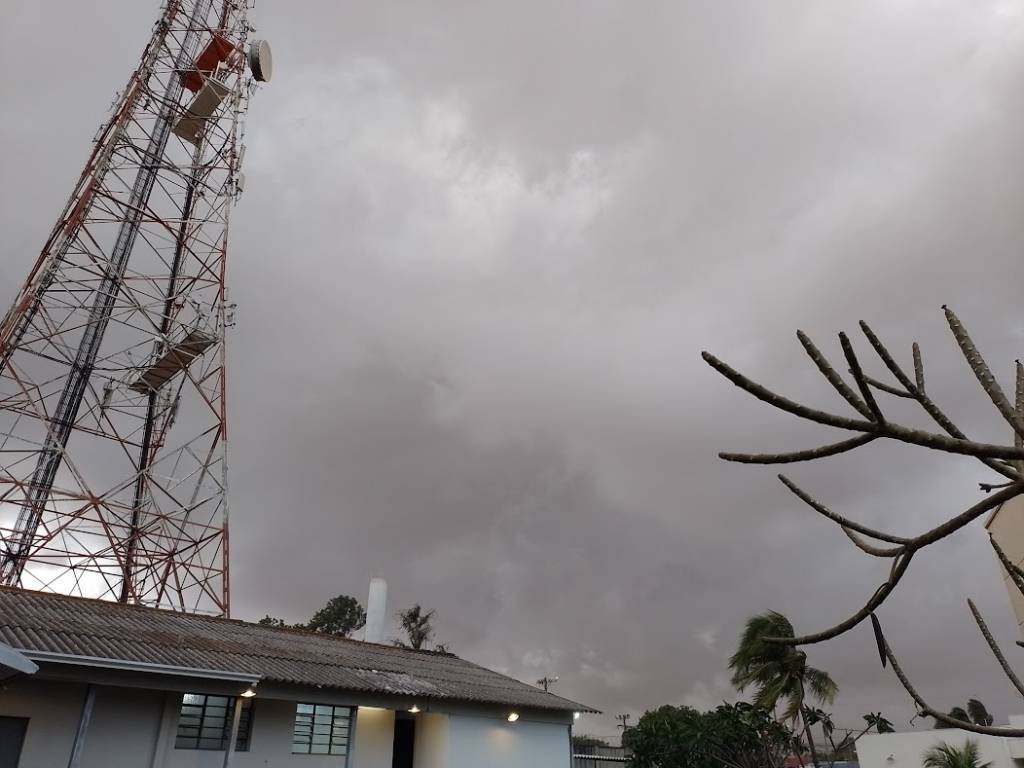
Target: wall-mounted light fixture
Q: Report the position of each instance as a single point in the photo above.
(575, 715)
(414, 709)
(513, 716)
(249, 692)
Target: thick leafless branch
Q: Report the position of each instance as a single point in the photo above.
(994, 646)
(982, 373)
(888, 429)
(916, 390)
(889, 390)
(1018, 438)
(926, 710)
(1013, 571)
(871, 549)
(1006, 460)
(833, 378)
(844, 522)
(858, 376)
(918, 367)
(809, 455)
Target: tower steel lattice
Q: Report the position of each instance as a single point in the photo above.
(113, 431)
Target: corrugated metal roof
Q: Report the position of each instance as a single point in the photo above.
(37, 621)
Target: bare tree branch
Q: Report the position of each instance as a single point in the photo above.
(833, 377)
(899, 568)
(858, 376)
(1018, 439)
(917, 390)
(929, 711)
(988, 487)
(982, 373)
(903, 560)
(967, 516)
(844, 522)
(778, 401)
(888, 429)
(1013, 571)
(1006, 460)
(808, 455)
(995, 648)
(889, 390)
(918, 368)
(870, 548)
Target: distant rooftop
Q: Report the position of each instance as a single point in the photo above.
(97, 630)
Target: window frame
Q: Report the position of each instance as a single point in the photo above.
(243, 738)
(303, 743)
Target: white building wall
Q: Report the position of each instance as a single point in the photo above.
(125, 723)
(375, 738)
(52, 709)
(430, 749)
(905, 750)
(480, 741)
(135, 728)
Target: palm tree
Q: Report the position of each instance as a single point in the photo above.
(879, 723)
(976, 713)
(779, 673)
(416, 623)
(943, 755)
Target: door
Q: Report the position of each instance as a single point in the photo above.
(405, 738)
(12, 736)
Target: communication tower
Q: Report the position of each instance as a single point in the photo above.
(113, 429)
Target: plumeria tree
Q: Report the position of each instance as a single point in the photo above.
(868, 423)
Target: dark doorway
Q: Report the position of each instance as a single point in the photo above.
(405, 739)
(12, 736)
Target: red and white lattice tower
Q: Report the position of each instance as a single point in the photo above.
(113, 437)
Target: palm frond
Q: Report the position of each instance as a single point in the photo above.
(821, 685)
(945, 755)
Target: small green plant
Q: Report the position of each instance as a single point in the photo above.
(949, 756)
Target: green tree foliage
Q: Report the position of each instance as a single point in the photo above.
(341, 616)
(272, 621)
(779, 673)
(731, 736)
(948, 756)
(878, 723)
(979, 714)
(416, 623)
(976, 713)
(582, 741)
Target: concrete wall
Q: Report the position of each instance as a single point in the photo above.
(1007, 528)
(479, 741)
(375, 735)
(136, 727)
(52, 709)
(430, 750)
(906, 749)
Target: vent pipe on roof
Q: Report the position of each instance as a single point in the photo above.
(376, 610)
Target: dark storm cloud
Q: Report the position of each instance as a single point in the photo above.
(481, 248)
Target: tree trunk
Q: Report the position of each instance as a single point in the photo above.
(810, 739)
(807, 728)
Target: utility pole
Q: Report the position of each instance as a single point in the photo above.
(625, 722)
(547, 681)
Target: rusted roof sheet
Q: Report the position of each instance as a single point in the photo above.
(36, 621)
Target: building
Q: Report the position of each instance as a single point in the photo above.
(1006, 525)
(125, 686)
(599, 756)
(904, 750)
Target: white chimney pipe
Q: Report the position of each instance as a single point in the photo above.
(376, 610)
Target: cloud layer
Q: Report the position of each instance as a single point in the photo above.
(481, 249)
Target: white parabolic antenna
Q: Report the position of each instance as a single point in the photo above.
(260, 61)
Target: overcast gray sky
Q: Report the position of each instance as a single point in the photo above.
(481, 248)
